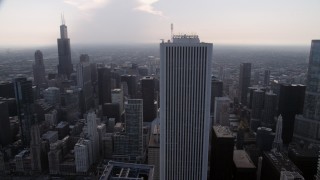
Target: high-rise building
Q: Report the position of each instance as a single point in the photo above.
(39, 74)
(25, 102)
(154, 151)
(266, 79)
(244, 82)
(5, 133)
(93, 136)
(81, 154)
(134, 123)
(117, 97)
(291, 100)
(277, 143)
(148, 96)
(222, 147)
(131, 83)
(257, 104)
(104, 85)
(274, 163)
(6, 89)
(185, 92)
(216, 91)
(306, 126)
(35, 148)
(52, 95)
(269, 109)
(84, 82)
(111, 110)
(244, 168)
(65, 67)
(221, 112)
(256, 77)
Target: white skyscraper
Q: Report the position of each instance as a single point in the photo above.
(93, 135)
(81, 153)
(185, 107)
(277, 143)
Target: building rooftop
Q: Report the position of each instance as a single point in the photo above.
(116, 90)
(127, 171)
(242, 160)
(49, 134)
(222, 131)
(62, 124)
(281, 162)
(185, 38)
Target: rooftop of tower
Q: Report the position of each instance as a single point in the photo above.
(185, 38)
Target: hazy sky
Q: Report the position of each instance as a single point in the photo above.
(36, 22)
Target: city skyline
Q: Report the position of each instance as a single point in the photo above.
(147, 21)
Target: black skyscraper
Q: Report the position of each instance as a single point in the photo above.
(7, 90)
(5, 133)
(244, 82)
(291, 102)
(222, 146)
(104, 85)
(148, 96)
(39, 74)
(24, 98)
(65, 67)
(132, 84)
(216, 91)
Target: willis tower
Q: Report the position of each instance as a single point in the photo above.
(65, 67)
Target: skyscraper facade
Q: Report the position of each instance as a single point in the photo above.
(148, 96)
(277, 143)
(84, 81)
(266, 79)
(93, 135)
(185, 107)
(216, 91)
(307, 126)
(104, 85)
(134, 123)
(291, 100)
(65, 67)
(25, 101)
(244, 82)
(39, 74)
(269, 109)
(5, 133)
(35, 148)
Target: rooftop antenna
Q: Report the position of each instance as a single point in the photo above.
(63, 22)
(172, 32)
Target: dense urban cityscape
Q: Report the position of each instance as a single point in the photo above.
(181, 109)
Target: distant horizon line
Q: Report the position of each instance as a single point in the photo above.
(77, 45)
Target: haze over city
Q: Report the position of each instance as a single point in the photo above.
(286, 22)
(160, 89)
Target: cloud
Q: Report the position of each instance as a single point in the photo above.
(85, 5)
(146, 6)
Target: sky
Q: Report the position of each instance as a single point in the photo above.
(243, 22)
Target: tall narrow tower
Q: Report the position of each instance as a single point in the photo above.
(65, 67)
(39, 74)
(185, 107)
(277, 143)
(244, 82)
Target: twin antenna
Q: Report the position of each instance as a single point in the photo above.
(63, 22)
